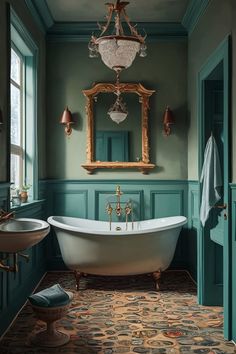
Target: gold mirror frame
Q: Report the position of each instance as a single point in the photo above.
(144, 165)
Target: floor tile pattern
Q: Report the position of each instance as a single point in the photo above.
(126, 315)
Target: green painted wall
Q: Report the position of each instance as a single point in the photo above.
(23, 13)
(217, 22)
(69, 71)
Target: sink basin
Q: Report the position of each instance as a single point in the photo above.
(18, 234)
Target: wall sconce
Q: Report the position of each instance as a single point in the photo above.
(168, 120)
(66, 120)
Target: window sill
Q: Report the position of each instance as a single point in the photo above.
(27, 205)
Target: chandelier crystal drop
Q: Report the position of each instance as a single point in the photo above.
(118, 50)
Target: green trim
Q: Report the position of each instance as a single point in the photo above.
(22, 31)
(21, 37)
(40, 13)
(221, 54)
(114, 181)
(30, 205)
(82, 31)
(195, 10)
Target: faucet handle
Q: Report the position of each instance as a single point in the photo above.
(118, 191)
(109, 209)
(128, 208)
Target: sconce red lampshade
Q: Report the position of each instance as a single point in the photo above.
(168, 120)
(67, 120)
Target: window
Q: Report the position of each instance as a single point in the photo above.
(23, 136)
(17, 118)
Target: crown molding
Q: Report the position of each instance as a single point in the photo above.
(41, 14)
(82, 31)
(195, 10)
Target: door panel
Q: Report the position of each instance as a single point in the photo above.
(214, 259)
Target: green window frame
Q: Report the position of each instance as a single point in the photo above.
(25, 48)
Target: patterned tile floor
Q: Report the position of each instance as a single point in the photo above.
(126, 315)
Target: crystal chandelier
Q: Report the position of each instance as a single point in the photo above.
(118, 111)
(118, 50)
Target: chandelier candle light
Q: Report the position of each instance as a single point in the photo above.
(118, 50)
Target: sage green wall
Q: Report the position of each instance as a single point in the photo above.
(69, 71)
(23, 13)
(217, 22)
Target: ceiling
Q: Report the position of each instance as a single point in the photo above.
(137, 10)
(75, 20)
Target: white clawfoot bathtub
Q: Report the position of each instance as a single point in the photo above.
(88, 246)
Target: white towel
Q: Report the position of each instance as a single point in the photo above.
(211, 179)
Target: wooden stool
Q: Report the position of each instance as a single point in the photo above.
(50, 337)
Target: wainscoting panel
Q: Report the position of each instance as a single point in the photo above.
(88, 199)
(193, 226)
(15, 287)
(167, 203)
(71, 203)
(102, 198)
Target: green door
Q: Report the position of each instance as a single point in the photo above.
(214, 239)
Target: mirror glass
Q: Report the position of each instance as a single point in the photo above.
(125, 145)
(117, 142)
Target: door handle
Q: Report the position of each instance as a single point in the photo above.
(224, 206)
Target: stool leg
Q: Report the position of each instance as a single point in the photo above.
(51, 329)
(50, 337)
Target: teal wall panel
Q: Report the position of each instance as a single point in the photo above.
(150, 198)
(193, 226)
(167, 203)
(71, 203)
(104, 197)
(15, 287)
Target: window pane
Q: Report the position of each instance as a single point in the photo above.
(15, 66)
(15, 116)
(15, 169)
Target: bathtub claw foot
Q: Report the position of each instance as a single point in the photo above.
(78, 276)
(157, 279)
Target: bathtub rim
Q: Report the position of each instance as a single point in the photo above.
(63, 226)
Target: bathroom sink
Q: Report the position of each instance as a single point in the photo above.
(18, 234)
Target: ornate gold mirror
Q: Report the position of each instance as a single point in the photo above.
(99, 97)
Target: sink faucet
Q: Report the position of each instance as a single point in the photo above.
(5, 215)
(118, 209)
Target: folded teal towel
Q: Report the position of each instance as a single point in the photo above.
(50, 297)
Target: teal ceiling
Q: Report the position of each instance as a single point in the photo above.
(75, 20)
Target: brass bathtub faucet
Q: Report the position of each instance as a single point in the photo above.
(118, 209)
